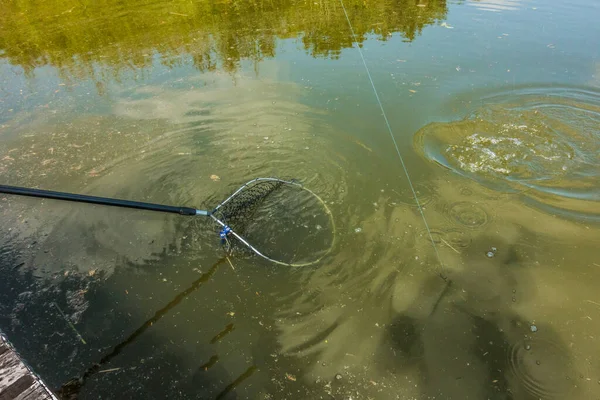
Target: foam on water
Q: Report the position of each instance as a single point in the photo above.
(541, 141)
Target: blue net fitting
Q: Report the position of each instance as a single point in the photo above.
(224, 232)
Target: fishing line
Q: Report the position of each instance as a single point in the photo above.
(387, 123)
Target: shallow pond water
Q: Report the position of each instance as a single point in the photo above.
(486, 288)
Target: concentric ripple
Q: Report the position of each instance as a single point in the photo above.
(545, 142)
(468, 214)
(424, 192)
(541, 367)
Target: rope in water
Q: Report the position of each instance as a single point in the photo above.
(387, 123)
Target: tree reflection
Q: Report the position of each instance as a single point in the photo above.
(87, 38)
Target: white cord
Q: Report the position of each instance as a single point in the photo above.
(387, 122)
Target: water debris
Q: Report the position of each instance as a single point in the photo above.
(338, 377)
(593, 302)
(364, 146)
(412, 91)
(533, 328)
(449, 245)
(215, 178)
(445, 25)
(290, 377)
(181, 15)
(70, 10)
(69, 323)
(109, 370)
(358, 230)
(230, 263)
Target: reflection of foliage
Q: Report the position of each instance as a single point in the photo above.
(76, 36)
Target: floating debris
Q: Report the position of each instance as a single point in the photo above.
(290, 377)
(449, 245)
(69, 323)
(215, 178)
(109, 370)
(533, 328)
(358, 230)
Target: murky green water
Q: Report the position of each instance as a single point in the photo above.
(494, 105)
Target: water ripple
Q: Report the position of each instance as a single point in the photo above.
(188, 147)
(543, 142)
(539, 366)
(495, 5)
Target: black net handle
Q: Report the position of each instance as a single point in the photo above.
(105, 201)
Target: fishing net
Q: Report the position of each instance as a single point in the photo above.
(279, 220)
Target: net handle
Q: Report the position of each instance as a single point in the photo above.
(105, 201)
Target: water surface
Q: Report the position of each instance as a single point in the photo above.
(495, 109)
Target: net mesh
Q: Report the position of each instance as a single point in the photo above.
(238, 211)
(280, 219)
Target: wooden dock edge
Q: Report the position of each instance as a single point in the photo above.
(17, 379)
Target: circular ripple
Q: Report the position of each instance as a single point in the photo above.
(425, 194)
(466, 191)
(542, 368)
(468, 214)
(542, 142)
(458, 238)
